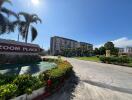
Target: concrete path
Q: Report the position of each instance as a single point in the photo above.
(96, 81)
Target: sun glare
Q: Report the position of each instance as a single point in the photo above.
(35, 2)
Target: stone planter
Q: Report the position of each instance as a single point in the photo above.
(34, 94)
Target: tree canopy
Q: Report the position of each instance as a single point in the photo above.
(25, 25)
(7, 26)
(109, 46)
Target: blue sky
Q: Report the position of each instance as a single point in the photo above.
(93, 21)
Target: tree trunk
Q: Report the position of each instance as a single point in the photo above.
(26, 37)
(18, 37)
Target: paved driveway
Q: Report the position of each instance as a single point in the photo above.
(96, 81)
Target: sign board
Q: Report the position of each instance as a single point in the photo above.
(6, 47)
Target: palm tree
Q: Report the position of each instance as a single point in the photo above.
(5, 24)
(25, 25)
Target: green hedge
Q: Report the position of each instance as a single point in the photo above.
(115, 60)
(27, 82)
(8, 91)
(4, 79)
(50, 60)
(22, 84)
(58, 74)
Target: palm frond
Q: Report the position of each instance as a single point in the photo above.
(34, 33)
(12, 25)
(9, 12)
(25, 15)
(3, 24)
(24, 25)
(15, 23)
(4, 1)
(22, 29)
(8, 1)
(36, 19)
(34, 15)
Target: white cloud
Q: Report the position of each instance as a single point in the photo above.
(121, 42)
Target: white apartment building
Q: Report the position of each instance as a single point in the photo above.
(126, 50)
(58, 43)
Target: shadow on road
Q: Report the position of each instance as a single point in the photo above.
(65, 93)
(103, 85)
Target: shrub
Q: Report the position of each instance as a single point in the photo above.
(50, 60)
(123, 59)
(102, 59)
(7, 91)
(24, 82)
(97, 56)
(59, 57)
(115, 60)
(4, 79)
(130, 59)
(58, 74)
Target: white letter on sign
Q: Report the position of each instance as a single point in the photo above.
(5, 47)
(0, 46)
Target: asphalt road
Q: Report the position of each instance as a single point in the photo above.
(96, 81)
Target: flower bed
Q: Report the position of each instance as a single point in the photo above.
(12, 86)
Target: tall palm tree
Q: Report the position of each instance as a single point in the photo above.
(5, 24)
(25, 25)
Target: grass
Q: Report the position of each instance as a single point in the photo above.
(130, 64)
(93, 58)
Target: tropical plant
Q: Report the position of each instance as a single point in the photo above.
(4, 79)
(102, 50)
(13, 86)
(109, 46)
(6, 26)
(26, 82)
(25, 25)
(57, 74)
(115, 60)
(8, 91)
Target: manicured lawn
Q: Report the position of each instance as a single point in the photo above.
(93, 58)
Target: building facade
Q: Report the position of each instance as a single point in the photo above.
(57, 44)
(127, 51)
(85, 45)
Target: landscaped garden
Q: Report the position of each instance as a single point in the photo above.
(119, 60)
(22, 70)
(112, 57)
(15, 85)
